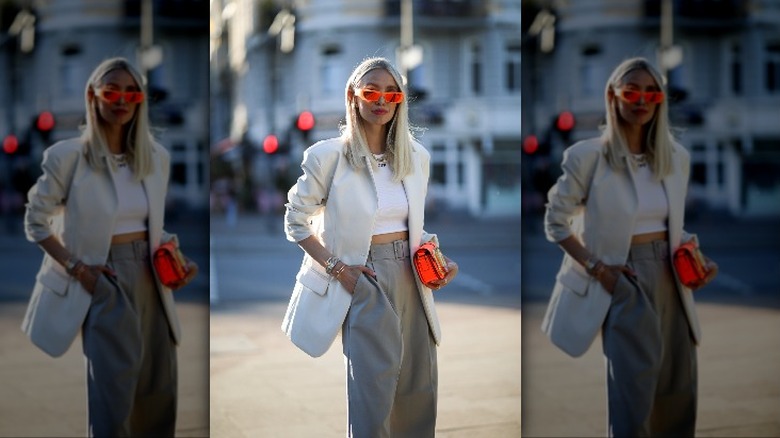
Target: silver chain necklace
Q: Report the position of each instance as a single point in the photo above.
(381, 161)
(640, 160)
(120, 160)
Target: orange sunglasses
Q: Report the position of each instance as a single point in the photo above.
(633, 96)
(374, 95)
(112, 96)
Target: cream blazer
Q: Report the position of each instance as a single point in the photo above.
(77, 204)
(598, 204)
(338, 204)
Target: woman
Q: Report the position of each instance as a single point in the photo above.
(617, 211)
(358, 212)
(97, 212)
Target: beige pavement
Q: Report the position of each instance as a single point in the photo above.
(262, 386)
(45, 397)
(739, 377)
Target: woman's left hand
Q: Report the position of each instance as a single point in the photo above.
(192, 271)
(712, 270)
(452, 271)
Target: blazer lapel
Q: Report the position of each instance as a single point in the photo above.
(154, 195)
(414, 191)
(675, 196)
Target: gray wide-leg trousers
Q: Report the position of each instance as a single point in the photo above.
(650, 352)
(130, 353)
(389, 352)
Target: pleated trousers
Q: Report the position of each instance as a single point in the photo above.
(130, 352)
(389, 351)
(650, 351)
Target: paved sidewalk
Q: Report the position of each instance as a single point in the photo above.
(263, 386)
(45, 397)
(739, 378)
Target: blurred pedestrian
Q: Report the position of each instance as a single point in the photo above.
(617, 212)
(97, 212)
(358, 213)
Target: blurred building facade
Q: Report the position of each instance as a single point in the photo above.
(71, 37)
(271, 60)
(723, 75)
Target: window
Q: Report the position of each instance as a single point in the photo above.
(772, 57)
(513, 67)
(736, 69)
(592, 76)
(71, 72)
(330, 71)
(438, 167)
(476, 68)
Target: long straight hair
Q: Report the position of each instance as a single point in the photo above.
(399, 137)
(658, 138)
(138, 138)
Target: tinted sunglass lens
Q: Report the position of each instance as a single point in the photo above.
(631, 96)
(110, 96)
(371, 96)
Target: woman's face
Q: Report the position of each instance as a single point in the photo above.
(379, 112)
(121, 111)
(641, 112)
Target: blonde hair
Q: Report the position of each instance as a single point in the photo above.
(138, 139)
(658, 139)
(399, 137)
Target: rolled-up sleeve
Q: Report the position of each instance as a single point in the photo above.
(46, 198)
(305, 199)
(566, 198)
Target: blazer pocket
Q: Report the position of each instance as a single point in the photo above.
(314, 280)
(573, 279)
(54, 280)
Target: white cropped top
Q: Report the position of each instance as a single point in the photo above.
(393, 212)
(653, 212)
(133, 208)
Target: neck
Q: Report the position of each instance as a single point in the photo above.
(114, 137)
(635, 137)
(376, 137)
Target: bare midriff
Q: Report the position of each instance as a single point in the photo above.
(639, 239)
(119, 239)
(379, 239)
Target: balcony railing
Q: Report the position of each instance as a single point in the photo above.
(438, 8)
(700, 12)
(184, 10)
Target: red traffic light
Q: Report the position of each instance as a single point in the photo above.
(10, 144)
(530, 144)
(305, 121)
(270, 144)
(565, 121)
(45, 121)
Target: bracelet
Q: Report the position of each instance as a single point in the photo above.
(70, 264)
(599, 269)
(590, 264)
(340, 270)
(330, 264)
(78, 270)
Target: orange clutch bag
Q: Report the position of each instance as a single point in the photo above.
(170, 264)
(430, 263)
(689, 264)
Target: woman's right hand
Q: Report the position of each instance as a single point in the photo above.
(609, 275)
(350, 275)
(89, 274)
